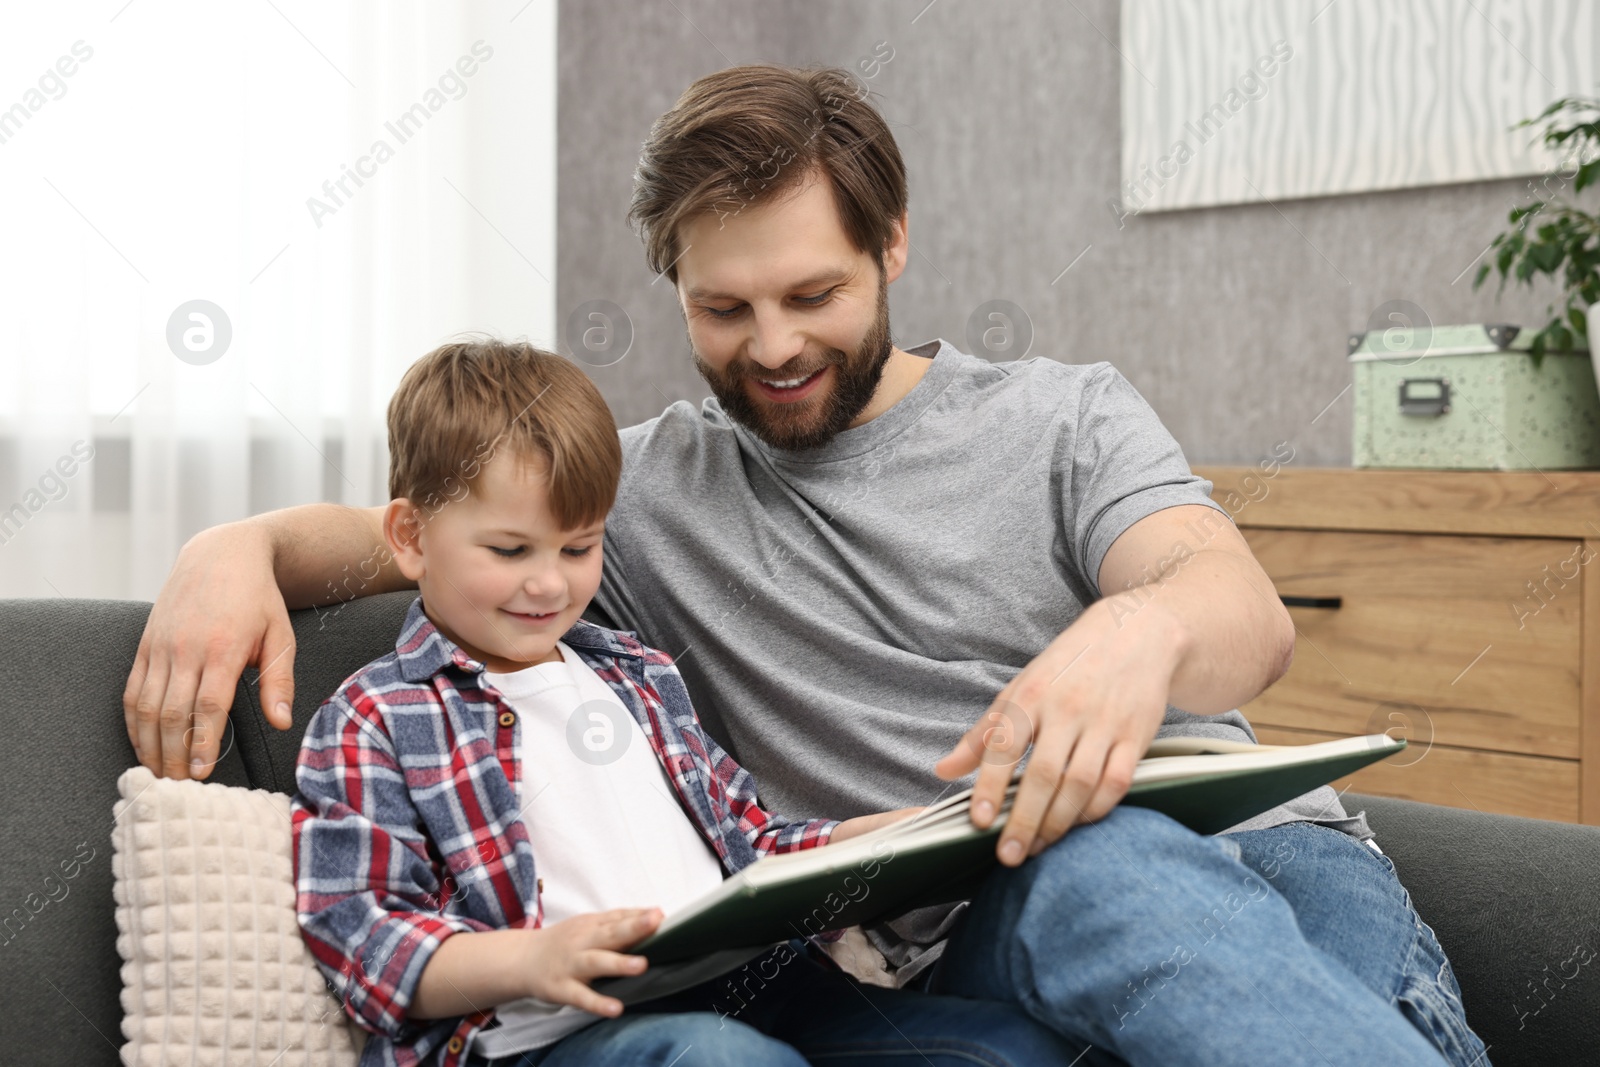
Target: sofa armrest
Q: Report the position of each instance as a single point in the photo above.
(1514, 905)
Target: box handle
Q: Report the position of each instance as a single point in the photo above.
(1424, 404)
(1311, 601)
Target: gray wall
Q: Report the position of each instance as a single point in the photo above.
(1231, 321)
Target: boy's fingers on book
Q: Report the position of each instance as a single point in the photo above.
(623, 926)
(581, 996)
(604, 963)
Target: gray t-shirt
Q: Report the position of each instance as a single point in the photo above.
(841, 616)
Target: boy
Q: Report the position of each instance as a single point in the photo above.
(488, 815)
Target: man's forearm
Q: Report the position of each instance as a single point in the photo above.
(1231, 638)
(328, 553)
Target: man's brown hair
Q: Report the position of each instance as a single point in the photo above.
(745, 135)
(464, 402)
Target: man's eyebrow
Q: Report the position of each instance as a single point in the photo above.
(828, 277)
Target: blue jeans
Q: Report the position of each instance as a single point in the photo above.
(794, 1006)
(1291, 945)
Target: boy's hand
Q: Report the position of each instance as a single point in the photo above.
(864, 823)
(564, 958)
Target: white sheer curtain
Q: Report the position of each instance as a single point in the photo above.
(349, 184)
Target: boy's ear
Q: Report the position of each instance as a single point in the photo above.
(402, 531)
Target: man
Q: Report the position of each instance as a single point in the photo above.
(887, 569)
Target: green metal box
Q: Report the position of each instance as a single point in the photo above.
(1470, 398)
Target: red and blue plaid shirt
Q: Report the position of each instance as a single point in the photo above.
(407, 829)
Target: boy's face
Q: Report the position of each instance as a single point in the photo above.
(496, 576)
(776, 292)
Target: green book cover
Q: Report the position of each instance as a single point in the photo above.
(938, 856)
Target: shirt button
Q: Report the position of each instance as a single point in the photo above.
(508, 718)
(455, 1046)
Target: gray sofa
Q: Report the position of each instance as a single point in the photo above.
(1513, 900)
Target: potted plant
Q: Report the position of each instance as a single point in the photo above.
(1552, 235)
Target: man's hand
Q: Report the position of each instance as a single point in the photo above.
(1206, 633)
(219, 610)
(1090, 705)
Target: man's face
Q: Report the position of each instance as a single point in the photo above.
(777, 293)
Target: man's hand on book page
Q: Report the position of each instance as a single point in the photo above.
(1083, 711)
(862, 824)
(218, 611)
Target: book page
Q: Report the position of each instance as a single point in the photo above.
(948, 821)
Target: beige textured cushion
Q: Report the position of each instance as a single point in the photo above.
(214, 971)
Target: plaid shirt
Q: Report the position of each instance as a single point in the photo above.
(406, 826)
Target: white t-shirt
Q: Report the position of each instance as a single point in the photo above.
(606, 827)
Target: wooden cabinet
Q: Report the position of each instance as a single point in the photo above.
(1457, 609)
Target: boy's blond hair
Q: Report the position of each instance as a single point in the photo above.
(464, 402)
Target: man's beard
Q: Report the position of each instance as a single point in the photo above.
(816, 420)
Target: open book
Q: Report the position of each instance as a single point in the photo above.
(939, 856)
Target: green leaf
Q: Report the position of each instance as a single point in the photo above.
(1552, 236)
(1546, 257)
(1502, 261)
(1587, 175)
